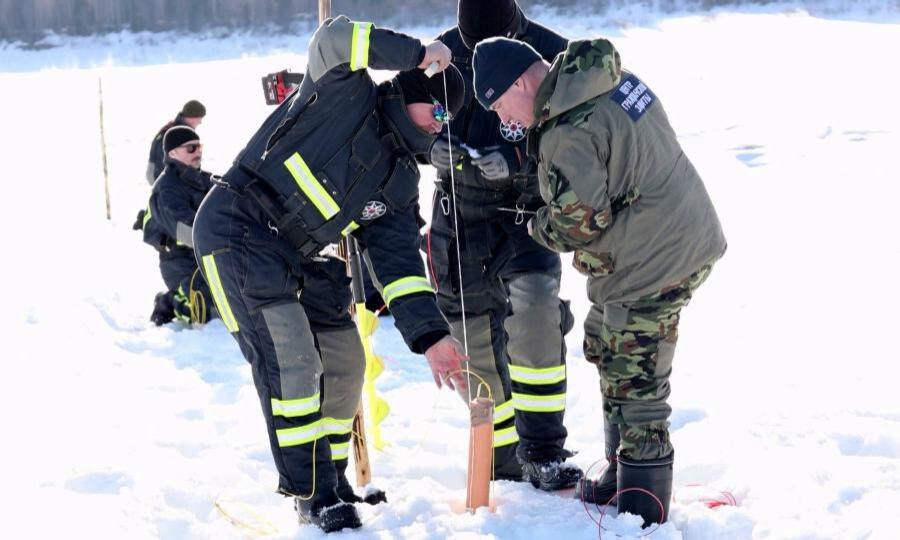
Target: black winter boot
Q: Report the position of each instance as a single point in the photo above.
(601, 490)
(654, 476)
(163, 308)
(552, 475)
(327, 512)
(346, 492)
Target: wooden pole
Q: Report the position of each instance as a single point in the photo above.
(324, 10)
(360, 448)
(103, 151)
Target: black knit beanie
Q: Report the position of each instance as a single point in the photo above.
(497, 63)
(482, 19)
(419, 88)
(177, 136)
(193, 109)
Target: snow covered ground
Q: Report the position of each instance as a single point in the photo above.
(784, 388)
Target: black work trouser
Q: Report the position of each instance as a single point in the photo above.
(276, 304)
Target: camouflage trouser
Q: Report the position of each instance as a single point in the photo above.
(633, 345)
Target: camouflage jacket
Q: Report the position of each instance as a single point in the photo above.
(619, 190)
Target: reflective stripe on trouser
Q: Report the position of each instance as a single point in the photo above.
(344, 366)
(218, 292)
(537, 370)
(482, 362)
(633, 345)
(276, 339)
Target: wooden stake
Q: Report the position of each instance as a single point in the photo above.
(361, 449)
(324, 10)
(481, 438)
(103, 152)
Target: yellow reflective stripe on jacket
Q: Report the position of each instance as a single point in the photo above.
(340, 451)
(528, 375)
(299, 435)
(503, 412)
(503, 437)
(147, 215)
(311, 187)
(290, 408)
(350, 228)
(532, 403)
(215, 286)
(404, 286)
(359, 46)
(336, 426)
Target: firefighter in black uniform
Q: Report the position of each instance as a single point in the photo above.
(514, 316)
(167, 223)
(191, 115)
(335, 159)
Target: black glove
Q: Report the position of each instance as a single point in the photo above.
(440, 153)
(492, 163)
(139, 222)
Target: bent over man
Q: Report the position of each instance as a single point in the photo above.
(515, 319)
(335, 159)
(624, 198)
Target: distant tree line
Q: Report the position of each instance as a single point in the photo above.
(30, 20)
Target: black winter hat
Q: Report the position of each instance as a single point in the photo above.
(419, 88)
(193, 109)
(177, 136)
(497, 63)
(482, 19)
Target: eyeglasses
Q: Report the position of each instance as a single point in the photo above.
(440, 113)
(191, 148)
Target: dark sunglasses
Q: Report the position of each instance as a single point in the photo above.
(440, 113)
(191, 148)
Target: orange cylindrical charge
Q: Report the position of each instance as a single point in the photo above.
(481, 438)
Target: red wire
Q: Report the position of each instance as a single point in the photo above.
(599, 521)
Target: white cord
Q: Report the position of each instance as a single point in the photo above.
(462, 297)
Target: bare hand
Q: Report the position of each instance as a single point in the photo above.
(438, 53)
(446, 357)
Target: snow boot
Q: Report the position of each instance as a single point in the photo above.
(346, 492)
(654, 476)
(552, 475)
(327, 512)
(603, 489)
(163, 308)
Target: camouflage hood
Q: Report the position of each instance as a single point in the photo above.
(585, 70)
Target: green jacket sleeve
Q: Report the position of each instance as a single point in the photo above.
(575, 189)
(360, 45)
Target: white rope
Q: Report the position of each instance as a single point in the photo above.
(462, 297)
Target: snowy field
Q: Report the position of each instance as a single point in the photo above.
(784, 386)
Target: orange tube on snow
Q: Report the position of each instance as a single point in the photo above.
(481, 437)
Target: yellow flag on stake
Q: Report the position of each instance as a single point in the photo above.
(377, 408)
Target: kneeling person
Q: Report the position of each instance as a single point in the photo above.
(167, 226)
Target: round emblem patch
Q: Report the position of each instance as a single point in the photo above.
(513, 131)
(373, 210)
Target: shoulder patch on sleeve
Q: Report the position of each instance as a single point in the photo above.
(633, 96)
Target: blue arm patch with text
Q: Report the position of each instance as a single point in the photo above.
(634, 97)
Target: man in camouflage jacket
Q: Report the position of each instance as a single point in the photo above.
(623, 197)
